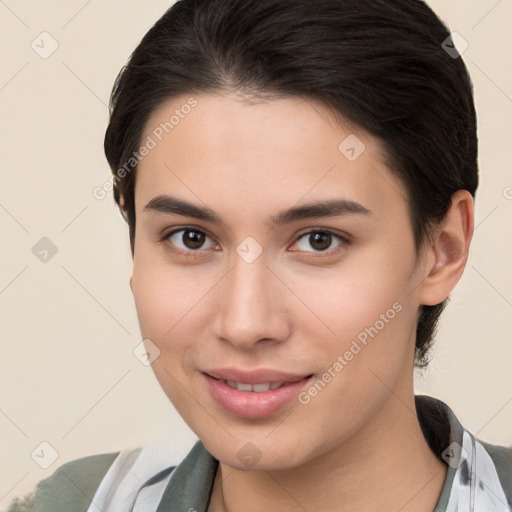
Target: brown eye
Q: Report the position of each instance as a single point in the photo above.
(188, 239)
(193, 239)
(319, 241)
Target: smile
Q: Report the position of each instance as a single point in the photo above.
(256, 388)
(254, 394)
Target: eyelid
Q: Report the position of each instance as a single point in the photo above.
(188, 227)
(331, 231)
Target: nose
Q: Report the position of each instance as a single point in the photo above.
(252, 306)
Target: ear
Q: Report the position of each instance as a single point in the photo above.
(448, 250)
(131, 286)
(122, 208)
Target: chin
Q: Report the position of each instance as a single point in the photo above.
(255, 455)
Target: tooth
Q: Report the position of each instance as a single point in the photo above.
(243, 387)
(260, 387)
(231, 384)
(274, 386)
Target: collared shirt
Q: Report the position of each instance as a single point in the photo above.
(478, 479)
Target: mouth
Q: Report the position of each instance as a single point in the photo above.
(255, 388)
(256, 394)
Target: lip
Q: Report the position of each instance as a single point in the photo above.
(252, 405)
(259, 376)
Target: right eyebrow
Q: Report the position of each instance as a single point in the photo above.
(173, 205)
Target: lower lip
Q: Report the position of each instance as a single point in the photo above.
(251, 404)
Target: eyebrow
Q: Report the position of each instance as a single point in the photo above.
(326, 208)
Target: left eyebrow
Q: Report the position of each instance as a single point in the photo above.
(328, 208)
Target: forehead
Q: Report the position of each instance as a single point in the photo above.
(255, 155)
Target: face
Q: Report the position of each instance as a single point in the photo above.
(274, 275)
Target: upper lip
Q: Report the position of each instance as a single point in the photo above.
(260, 376)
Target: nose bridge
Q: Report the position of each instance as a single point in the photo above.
(249, 308)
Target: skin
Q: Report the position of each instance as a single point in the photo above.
(295, 308)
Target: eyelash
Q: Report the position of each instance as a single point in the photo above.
(344, 241)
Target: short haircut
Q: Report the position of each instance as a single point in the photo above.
(382, 65)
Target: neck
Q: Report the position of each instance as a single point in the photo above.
(388, 466)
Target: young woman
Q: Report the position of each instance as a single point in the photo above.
(298, 179)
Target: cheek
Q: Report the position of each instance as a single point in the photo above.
(171, 304)
(346, 299)
(163, 294)
(165, 311)
(151, 300)
(364, 319)
(369, 354)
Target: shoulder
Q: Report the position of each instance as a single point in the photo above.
(113, 478)
(71, 487)
(502, 458)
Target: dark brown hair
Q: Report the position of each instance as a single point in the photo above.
(380, 64)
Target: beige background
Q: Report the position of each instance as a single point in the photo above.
(69, 326)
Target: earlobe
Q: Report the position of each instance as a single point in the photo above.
(449, 247)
